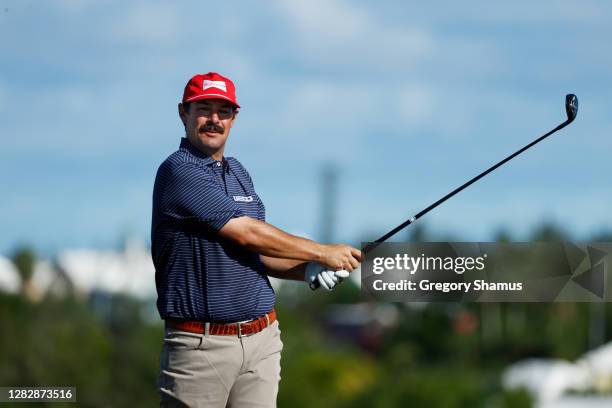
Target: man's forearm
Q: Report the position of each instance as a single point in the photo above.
(267, 240)
(284, 268)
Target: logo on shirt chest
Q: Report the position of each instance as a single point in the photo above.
(244, 199)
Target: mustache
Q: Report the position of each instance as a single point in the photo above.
(211, 127)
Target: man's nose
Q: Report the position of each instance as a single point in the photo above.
(214, 116)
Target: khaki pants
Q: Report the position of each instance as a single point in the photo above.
(220, 371)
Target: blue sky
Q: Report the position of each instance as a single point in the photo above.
(407, 100)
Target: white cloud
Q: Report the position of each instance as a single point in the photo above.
(333, 21)
(514, 13)
(78, 6)
(339, 33)
(148, 24)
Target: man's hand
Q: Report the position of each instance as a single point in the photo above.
(326, 278)
(339, 256)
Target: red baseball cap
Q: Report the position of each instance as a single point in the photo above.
(210, 86)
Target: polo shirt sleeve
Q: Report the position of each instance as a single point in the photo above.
(193, 194)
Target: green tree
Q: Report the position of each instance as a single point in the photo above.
(24, 259)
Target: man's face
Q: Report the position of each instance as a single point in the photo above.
(208, 123)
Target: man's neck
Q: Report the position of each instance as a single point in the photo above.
(218, 155)
(215, 154)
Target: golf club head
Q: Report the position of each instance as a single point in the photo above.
(571, 106)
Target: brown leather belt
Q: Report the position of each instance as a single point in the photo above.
(239, 329)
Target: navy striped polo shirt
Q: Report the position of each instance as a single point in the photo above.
(198, 274)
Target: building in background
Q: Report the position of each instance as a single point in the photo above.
(9, 276)
(555, 383)
(129, 271)
(82, 272)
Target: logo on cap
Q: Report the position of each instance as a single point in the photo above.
(214, 84)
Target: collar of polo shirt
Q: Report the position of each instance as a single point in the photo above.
(207, 160)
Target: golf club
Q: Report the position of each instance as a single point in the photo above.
(571, 108)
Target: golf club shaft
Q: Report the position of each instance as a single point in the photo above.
(571, 108)
(403, 225)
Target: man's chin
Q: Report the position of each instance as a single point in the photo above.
(211, 142)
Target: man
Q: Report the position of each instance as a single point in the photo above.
(212, 251)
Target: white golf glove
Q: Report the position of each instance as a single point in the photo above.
(327, 279)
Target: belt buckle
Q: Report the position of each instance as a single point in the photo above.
(239, 324)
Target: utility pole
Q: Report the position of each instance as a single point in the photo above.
(329, 195)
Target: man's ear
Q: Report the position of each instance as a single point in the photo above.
(182, 114)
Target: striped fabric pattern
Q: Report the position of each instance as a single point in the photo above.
(199, 276)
